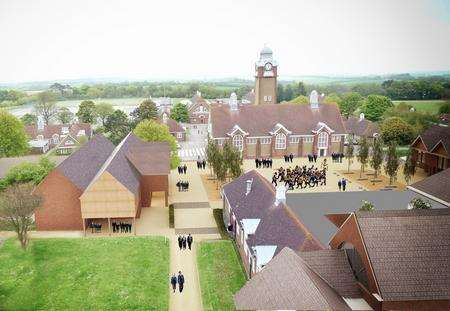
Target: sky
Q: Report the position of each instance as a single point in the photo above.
(180, 39)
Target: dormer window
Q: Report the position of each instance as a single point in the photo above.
(55, 139)
(64, 130)
(81, 133)
(40, 137)
(280, 141)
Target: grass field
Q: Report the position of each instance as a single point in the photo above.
(221, 274)
(85, 274)
(431, 106)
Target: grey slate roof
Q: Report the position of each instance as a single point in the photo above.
(434, 134)
(82, 166)
(288, 283)
(358, 127)
(311, 208)
(437, 186)
(409, 251)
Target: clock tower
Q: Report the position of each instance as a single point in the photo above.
(266, 78)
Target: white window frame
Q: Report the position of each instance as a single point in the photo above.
(55, 138)
(322, 140)
(238, 142)
(252, 141)
(308, 139)
(179, 135)
(220, 141)
(280, 141)
(336, 138)
(40, 137)
(266, 141)
(294, 139)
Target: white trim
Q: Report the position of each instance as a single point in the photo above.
(280, 126)
(237, 128)
(425, 194)
(322, 125)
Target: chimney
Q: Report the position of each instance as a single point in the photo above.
(249, 186)
(164, 118)
(40, 123)
(280, 195)
(314, 100)
(361, 116)
(233, 102)
(199, 94)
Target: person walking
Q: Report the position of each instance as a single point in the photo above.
(339, 184)
(180, 281)
(344, 184)
(180, 242)
(184, 169)
(184, 242)
(173, 281)
(190, 239)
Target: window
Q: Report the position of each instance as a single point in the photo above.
(265, 141)
(308, 139)
(40, 137)
(64, 130)
(280, 141)
(179, 135)
(335, 138)
(220, 141)
(322, 140)
(294, 140)
(55, 138)
(81, 133)
(269, 98)
(265, 98)
(238, 142)
(251, 141)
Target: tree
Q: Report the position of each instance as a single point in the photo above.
(333, 98)
(418, 203)
(350, 152)
(103, 111)
(13, 139)
(235, 164)
(395, 129)
(86, 112)
(377, 156)
(46, 106)
(363, 154)
(300, 100)
(149, 130)
(300, 89)
(29, 119)
(17, 207)
(445, 108)
(409, 168)
(28, 172)
(366, 206)
(350, 102)
(146, 111)
(117, 125)
(211, 154)
(179, 113)
(220, 168)
(65, 116)
(375, 105)
(392, 162)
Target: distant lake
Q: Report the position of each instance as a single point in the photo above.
(127, 105)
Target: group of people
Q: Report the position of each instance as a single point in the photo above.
(265, 163)
(288, 158)
(121, 227)
(183, 185)
(337, 157)
(182, 169)
(97, 227)
(342, 184)
(301, 177)
(174, 280)
(312, 158)
(201, 164)
(185, 240)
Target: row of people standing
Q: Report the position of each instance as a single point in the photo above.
(177, 280)
(182, 169)
(121, 227)
(337, 157)
(184, 241)
(263, 163)
(183, 186)
(289, 158)
(201, 164)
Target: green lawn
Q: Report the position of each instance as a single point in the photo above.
(221, 274)
(128, 273)
(431, 106)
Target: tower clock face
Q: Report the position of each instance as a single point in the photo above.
(268, 66)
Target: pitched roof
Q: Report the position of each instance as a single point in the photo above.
(333, 266)
(300, 119)
(174, 126)
(150, 158)
(51, 129)
(434, 134)
(288, 283)
(361, 127)
(409, 251)
(435, 187)
(82, 166)
(250, 96)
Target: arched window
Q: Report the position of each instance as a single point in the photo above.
(238, 142)
(55, 138)
(323, 140)
(280, 141)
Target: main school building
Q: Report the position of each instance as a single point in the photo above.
(102, 182)
(268, 129)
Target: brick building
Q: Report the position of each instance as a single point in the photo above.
(100, 182)
(198, 109)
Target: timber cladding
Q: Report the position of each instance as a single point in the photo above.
(60, 209)
(107, 198)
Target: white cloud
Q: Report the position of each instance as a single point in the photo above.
(198, 38)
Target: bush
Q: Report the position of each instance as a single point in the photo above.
(28, 172)
(366, 206)
(171, 216)
(445, 108)
(395, 129)
(418, 203)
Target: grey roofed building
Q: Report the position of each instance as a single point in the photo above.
(409, 251)
(311, 208)
(82, 166)
(288, 282)
(435, 187)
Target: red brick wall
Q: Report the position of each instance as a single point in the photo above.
(150, 184)
(61, 209)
